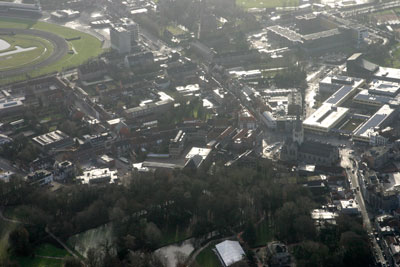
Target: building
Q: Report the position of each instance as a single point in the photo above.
(246, 120)
(53, 140)
(40, 177)
(66, 14)
(64, 170)
(21, 8)
(139, 60)
(94, 69)
(349, 207)
(325, 118)
(296, 149)
(198, 158)
(377, 157)
(331, 84)
(98, 176)
(384, 88)
(177, 145)
(124, 36)
(149, 109)
(278, 254)
(379, 120)
(229, 252)
(364, 97)
(11, 106)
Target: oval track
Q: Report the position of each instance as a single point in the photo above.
(60, 49)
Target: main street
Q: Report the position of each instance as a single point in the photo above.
(352, 170)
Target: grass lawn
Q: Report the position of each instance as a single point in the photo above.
(264, 234)
(351, 125)
(50, 250)
(175, 30)
(5, 229)
(266, 3)
(170, 236)
(37, 262)
(43, 250)
(43, 49)
(207, 257)
(86, 47)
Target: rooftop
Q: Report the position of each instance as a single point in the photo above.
(326, 116)
(375, 121)
(230, 252)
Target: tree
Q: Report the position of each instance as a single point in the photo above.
(72, 262)
(249, 234)
(19, 241)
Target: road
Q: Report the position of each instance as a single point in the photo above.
(6, 165)
(355, 183)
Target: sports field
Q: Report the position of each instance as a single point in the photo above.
(39, 49)
(266, 3)
(82, 46)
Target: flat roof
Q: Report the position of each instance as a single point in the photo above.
(375, 121)
(365, 96)
(325, 116)
(230, 252)
(287, 33)
(340, 94)
(389, 73)
(384, 87)
(49, 138)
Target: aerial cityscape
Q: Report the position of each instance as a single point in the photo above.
(199, 133)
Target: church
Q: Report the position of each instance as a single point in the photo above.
(296, 149)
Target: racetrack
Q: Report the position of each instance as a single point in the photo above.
(60, 49)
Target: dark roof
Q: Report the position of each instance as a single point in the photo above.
(316, 148)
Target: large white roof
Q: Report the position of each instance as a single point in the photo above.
(230, 252)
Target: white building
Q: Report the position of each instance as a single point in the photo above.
(325, 118)
(96, 176)
(349, 207)
(124, 36)
(229, 252)
(198, 157)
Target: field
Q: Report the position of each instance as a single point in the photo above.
(46, 255)
(84, 47)
(266, 3)
(43, 49)
(207, 257)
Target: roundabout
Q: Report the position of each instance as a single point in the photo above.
(26, 50)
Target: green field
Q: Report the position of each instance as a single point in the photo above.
(264, 234)
(85, 48)
(207, 257)
(40, 260)
(43, 49)
(266, 3)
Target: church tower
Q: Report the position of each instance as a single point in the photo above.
(298, 131)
